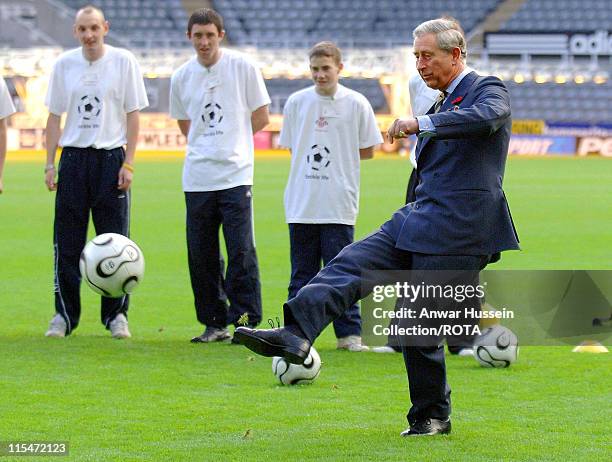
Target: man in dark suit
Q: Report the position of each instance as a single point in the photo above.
(423, 98)
(458, 220)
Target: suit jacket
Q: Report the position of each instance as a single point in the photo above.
(460, 207)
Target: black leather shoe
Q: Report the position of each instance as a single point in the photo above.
(428, 427)
(274, 342)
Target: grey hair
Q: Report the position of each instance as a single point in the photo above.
(448, 34)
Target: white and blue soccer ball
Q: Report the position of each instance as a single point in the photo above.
(112, 265)
(294, 374)
(497, 346)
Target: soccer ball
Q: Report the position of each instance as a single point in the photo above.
(293, 374)
(89, 107)
(112, 265)
(497, 346)
(319, 157)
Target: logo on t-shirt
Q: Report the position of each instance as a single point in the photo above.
(319, 157)
(89, 107)
(212, 115)
(321, 122)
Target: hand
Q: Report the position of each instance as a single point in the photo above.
(125, 179)
(50, 179)
(1, 186)
(402, 128)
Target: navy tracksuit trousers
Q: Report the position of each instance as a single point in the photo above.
(312, 244)
(232, 210)
(87, 182)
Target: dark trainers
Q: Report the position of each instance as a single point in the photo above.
(212, 334)
(428, 427)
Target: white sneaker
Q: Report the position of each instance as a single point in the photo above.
(57, 327)
(351, 343)
(119, 327)
(383, 349)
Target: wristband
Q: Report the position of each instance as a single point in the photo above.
(49, 167)
(128, 167)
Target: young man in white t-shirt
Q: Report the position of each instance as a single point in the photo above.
(6, 109)
(329, 129)
(219, 100)
(101, 90)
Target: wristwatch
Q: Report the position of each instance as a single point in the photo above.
(49, 167)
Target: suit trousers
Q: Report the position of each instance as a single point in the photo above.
(351, 276)
(87, 182)
(457, 342)
(207, 212)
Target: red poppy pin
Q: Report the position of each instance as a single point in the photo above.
(456, 102)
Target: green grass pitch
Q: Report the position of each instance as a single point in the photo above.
(158, 397)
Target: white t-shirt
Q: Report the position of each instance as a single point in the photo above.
(325, 135)
(96, 97)
(219, 102)
(422, 98)
(6, 103)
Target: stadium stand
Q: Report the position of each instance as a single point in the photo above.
(25, 12)
(144, 23)
(350, 23)
(560, 16)
(286, 23)
(546, 79)
(18, 26)
(588, 102)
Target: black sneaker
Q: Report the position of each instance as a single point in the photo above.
(212, 334)
(428, 427)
